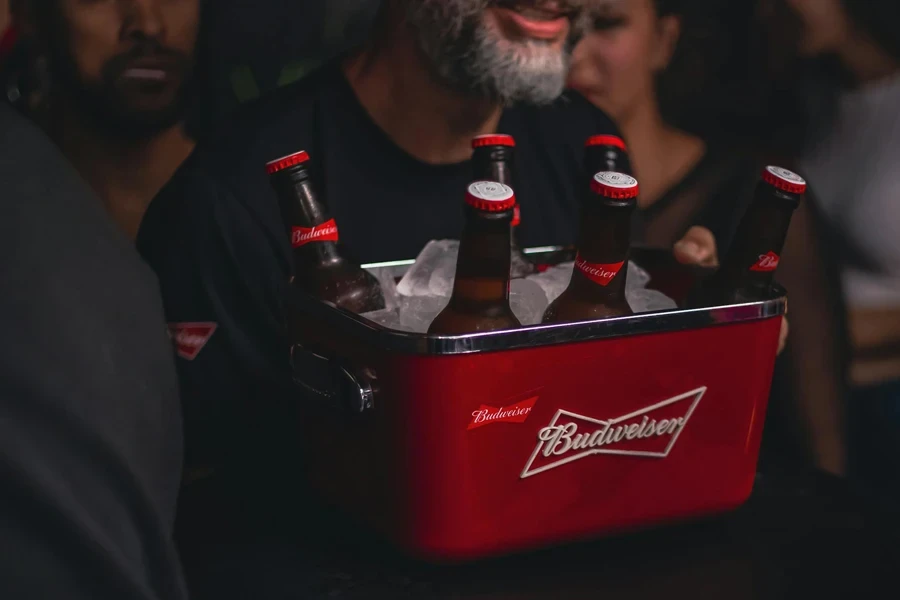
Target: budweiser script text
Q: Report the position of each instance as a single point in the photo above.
(767, 263)
(560, 439)
(650, 433)
(601, 274)
(516, 413)
(326, 232)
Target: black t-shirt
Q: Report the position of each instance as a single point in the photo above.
(90, 424)
(216, 239)
(715, 194)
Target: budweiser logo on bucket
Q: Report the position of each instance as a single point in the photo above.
(649, 433)
(602, 274)
(515, 413)
(326, 232)
(767, 262)
(190, 338)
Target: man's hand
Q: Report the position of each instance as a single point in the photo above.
(698, 247)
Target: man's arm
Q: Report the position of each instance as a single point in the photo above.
(816, 350)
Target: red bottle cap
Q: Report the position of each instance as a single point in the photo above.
(605, 140)
(617, 186)
(784, 180)
(291, 160)
(493, 139)
(490, 196)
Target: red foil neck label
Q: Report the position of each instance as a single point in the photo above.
(599, 274)
(515, 413)
(767, 263)
(517, 216)
(326, 232)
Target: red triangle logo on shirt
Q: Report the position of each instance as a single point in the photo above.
(191, 338)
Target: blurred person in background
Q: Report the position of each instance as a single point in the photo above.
(846, 53)
(697, 184)
(90, 422)
(110, 82)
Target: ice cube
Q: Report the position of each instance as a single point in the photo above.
(385, 277)
(417, 312)
(387, 318)
(644, 300)
(442, 278)
(637, 277)
(437, 255)
(554, 280)
(528, 301)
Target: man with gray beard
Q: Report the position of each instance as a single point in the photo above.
(389, 130)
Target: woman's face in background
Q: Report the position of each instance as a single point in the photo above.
(616, 64)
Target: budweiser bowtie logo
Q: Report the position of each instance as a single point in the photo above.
(326, 232)
(602, 274)
(649, 433)
(190, 338)
(767, 263)
(515, 413)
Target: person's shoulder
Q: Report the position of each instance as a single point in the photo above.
(226, 170)
(570, 119)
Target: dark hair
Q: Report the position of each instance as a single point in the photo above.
(694, 90)
(879, 19)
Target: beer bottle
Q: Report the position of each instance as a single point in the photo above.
(747, 271)
(492, 159)
(597, 288)
(606, 153)
(319, 268)
(480, 300)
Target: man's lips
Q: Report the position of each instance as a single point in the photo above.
(148, 71)
(535, 19)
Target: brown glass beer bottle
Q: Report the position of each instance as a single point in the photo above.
(606, 153)
(480, 300)
(319, 268)
(492, 159)
(597, 288)
(747, 271)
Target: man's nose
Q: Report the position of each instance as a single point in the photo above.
(143, 19)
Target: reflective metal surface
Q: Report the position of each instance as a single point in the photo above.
(340, 386)
(539, 335)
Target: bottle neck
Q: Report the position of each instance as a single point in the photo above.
(759, 242)
(483, 264)
(312, 231)
(498, 171)
(606, 158)
(601, 268)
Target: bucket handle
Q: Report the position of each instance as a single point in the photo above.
(342, 387)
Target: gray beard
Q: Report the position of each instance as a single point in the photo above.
(470, 58)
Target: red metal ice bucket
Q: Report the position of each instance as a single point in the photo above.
(464, 447)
